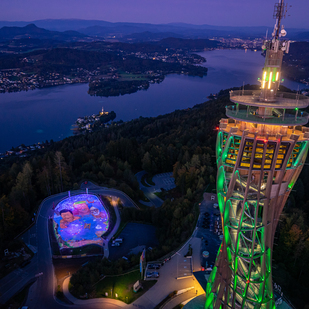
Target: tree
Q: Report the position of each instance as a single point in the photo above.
(146, 163)
(44, 181)
(23, 192)
(59, 161)
(61, 172)
(108, 170)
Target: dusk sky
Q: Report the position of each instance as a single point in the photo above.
(212, 12)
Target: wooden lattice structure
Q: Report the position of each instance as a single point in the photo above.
(261, 149)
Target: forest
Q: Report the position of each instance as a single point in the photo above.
(98, 56)
(296, 64)
(182, 142)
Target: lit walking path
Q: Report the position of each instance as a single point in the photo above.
(167, 283)
(106, 302)
(180, 298)
(115, 229)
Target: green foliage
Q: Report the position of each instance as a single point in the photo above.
(291, 255)
(295, 64)
(84, 280)
(111, 156)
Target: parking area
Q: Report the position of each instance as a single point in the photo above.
(135, 237)
(152, 270)
(184, 267)
(165, 181)
(209, 230)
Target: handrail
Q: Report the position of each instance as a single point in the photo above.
(287, 119)
(281, 99)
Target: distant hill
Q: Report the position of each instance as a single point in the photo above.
(77, 29)
(31, 31)
(296, 63)
(59, 60)
(123, 31)
(304, 36)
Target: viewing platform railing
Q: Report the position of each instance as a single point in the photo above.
(287, 119)
(286, 100)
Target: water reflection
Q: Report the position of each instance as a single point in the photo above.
(44, 114)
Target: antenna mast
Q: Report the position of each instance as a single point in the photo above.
(279, 13)
(275, 48)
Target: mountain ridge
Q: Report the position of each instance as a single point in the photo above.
(34, 32)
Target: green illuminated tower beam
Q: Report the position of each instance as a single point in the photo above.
(261, 149)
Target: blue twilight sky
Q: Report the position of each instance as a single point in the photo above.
(212, 12)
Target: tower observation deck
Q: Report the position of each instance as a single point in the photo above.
(261, 149)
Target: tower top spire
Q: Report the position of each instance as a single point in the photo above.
(279, 13)
(263, 105)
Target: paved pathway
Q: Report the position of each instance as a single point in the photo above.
(41, 293)
(104, 302)
(148, 192)
(180, 298)
(17, 279)
(115, 229)
(165, 181)
(168, 282)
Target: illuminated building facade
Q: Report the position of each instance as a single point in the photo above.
(261, 149)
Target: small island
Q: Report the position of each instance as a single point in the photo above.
(93, 122)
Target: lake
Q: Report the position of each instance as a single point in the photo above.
(48, 113)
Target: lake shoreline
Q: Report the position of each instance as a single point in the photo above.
(30, 117)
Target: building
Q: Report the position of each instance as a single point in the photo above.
(261, 149)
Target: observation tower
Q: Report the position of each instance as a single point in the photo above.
(261, 149)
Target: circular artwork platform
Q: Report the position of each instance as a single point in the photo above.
(80, 220)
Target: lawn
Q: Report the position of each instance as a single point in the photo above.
(161, 195)
(121, 287)
(126, 77)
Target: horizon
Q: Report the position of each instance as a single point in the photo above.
(29, 22)
(239, 13)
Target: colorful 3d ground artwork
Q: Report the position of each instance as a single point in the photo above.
(80, 220)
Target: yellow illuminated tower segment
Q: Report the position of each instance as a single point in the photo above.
(261, 148)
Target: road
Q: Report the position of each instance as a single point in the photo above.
(174, 275)
(41, 293)
(17, 279)
(164, 181)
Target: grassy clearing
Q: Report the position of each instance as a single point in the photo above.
(121, 287)
(161, 195)
(128, 77)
